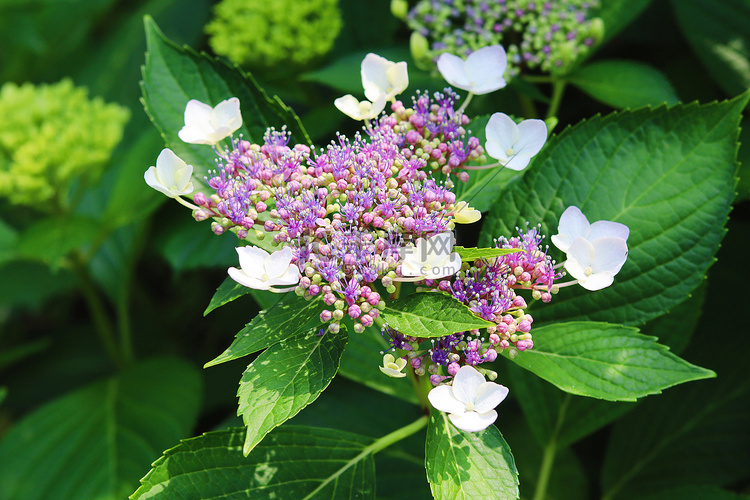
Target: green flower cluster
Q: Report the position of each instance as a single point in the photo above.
(537, 35)
(51, 135)
(259, 33)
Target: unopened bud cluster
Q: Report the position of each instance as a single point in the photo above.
(537, 35)
(488, 288)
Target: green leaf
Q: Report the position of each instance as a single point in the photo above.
(666, 173)
(3, 393)
(286, 318)
(14, 355)
(96, 441)
(624, 84)
(30, 283)
(226, 293)
(54, 237)
(468, 465)
(361, 358)
(8, 240)
(556, 415)
(675, 328)
(430, 315)
(693, 492)
(604, 361)
(292, 462)
(472, 254)
(173, 75)
(192, 245)
(285, 378)
(719, 34)
(694, 434)
(618, 14)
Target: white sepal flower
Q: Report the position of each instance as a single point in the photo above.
(261, 270)
(595, 263)
(364, 110)
(392, 367)
(470, 400)
(431, 258)
(207, 125)
(379, 75)
(574, 224)
(464, 214)
(171, 175)
(514, 145)
(481, 72)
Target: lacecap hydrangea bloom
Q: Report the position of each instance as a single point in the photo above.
(258, 33)
(547, 36)
(347, 223)
(51, 134)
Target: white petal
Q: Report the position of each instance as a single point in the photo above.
(575, 269)
(517, 162)
(582, 251)
(277, 263)
(377, 107)
(441, 398)
(472, 421)
(227, 115)
(464, 214)
(466, 383)
(398, 79)
(453, 70)
(197, 114)
(610, 254)
(245, 280)
(151, 179)
(252, 260)
(193, 135)
(489, 395)
(374, 75)
(290, 277)
(485, 68)
(349, 105)
(532, 134)
(501, 133)
(391, 372)
(561, 241)
(573, 224)
(604, 228)
(597, 281)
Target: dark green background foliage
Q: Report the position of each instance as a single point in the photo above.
(103, 337)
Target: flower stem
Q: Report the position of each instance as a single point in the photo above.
(557, 92)
(380, 444)
(550, 451)
(466, 102)
(104, 328)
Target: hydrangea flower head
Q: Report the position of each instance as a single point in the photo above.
(481, 72)
(51, 135)
(514, 145)
(595, 264)
(286, 34)
(261, 270)
(379, 75)
(171, 175)
(207, 125)
(538, 36)
(574, 224)
(470, 400)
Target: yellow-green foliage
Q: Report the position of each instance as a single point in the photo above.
(266, 33)
(51, 134)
